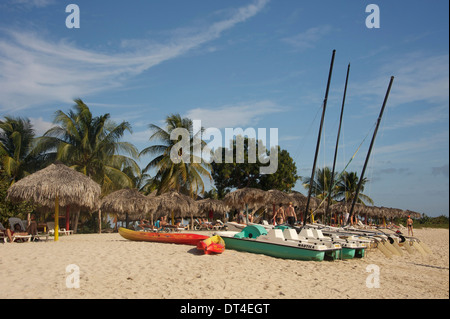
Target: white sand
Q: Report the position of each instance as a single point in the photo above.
(113, 267)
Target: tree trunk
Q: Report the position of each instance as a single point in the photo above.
(99, 221)
(76, 218)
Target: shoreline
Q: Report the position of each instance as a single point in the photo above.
(111, 267)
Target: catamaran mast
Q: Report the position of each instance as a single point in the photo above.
(318, 139)
(370, 149)
(337, 143)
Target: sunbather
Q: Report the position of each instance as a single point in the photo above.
(144, 224)
(17, 231)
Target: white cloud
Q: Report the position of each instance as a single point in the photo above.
(242, 115)
(416, 78)
(429, 116)
(415, 146)
(34, 70)
(33, 3)
(309, 38)
(40, 126)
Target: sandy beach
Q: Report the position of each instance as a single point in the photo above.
(113, 267)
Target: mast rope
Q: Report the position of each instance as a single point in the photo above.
(343, 171)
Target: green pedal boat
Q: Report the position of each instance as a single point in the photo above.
(278, 243)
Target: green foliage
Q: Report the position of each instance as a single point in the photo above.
(92, 146)
(90, 225)
(227, 176)
(16, 149)
(432, 222)
(7, 209)
(184, 176)
(344, 189)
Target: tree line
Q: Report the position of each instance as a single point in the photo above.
(94, 146)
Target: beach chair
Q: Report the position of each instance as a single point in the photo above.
(61, 231)
(13, 221)
(3, 236)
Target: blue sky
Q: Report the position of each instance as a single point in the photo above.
(259, 64)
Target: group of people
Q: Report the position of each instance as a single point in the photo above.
(17, 230)
(160, 224)
(280, 216)
(287, 215)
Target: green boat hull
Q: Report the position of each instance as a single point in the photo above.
(274, 250)
(360, 252)
(333, 254)
(348, 253)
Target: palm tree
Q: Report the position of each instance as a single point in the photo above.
(16, 148)
(181, 175)
(321, 184)
(346, 188)
(92, 146)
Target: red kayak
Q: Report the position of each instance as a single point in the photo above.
(174, 238)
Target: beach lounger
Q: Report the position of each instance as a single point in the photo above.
(61, 231)
(13, 221)
(3, 236)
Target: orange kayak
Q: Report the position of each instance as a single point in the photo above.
(174, 238)
(214, 244)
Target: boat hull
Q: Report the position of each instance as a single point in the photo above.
(174, 238)
(272, 249)
(360, 252)
(348, 253)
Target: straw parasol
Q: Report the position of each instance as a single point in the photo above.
(275, 196)
(126, 202)
(411, 213)
(216, 205)
(176, 204)
(244, 197)
(57, 185)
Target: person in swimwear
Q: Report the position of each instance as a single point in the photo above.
(279, 215)
(290, 215)
(409, 224)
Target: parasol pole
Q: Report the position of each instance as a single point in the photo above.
(56, 218)
(327, 210)
(246, 213)
(370, 148)
(318, 139)
(67, 216)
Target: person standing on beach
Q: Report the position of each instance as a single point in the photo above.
(290, 215)
(279, 215)
(409, 224)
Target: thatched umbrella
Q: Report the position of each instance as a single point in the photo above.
(126, 202)
(176, 203)
(57, 185)
(300, 200)
(412, 214)
(247, 195)
(275, 197)
(243, 197)
(215, 205)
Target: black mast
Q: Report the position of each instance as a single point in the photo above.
(370, 149)
(318, 139)
(337, 143)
